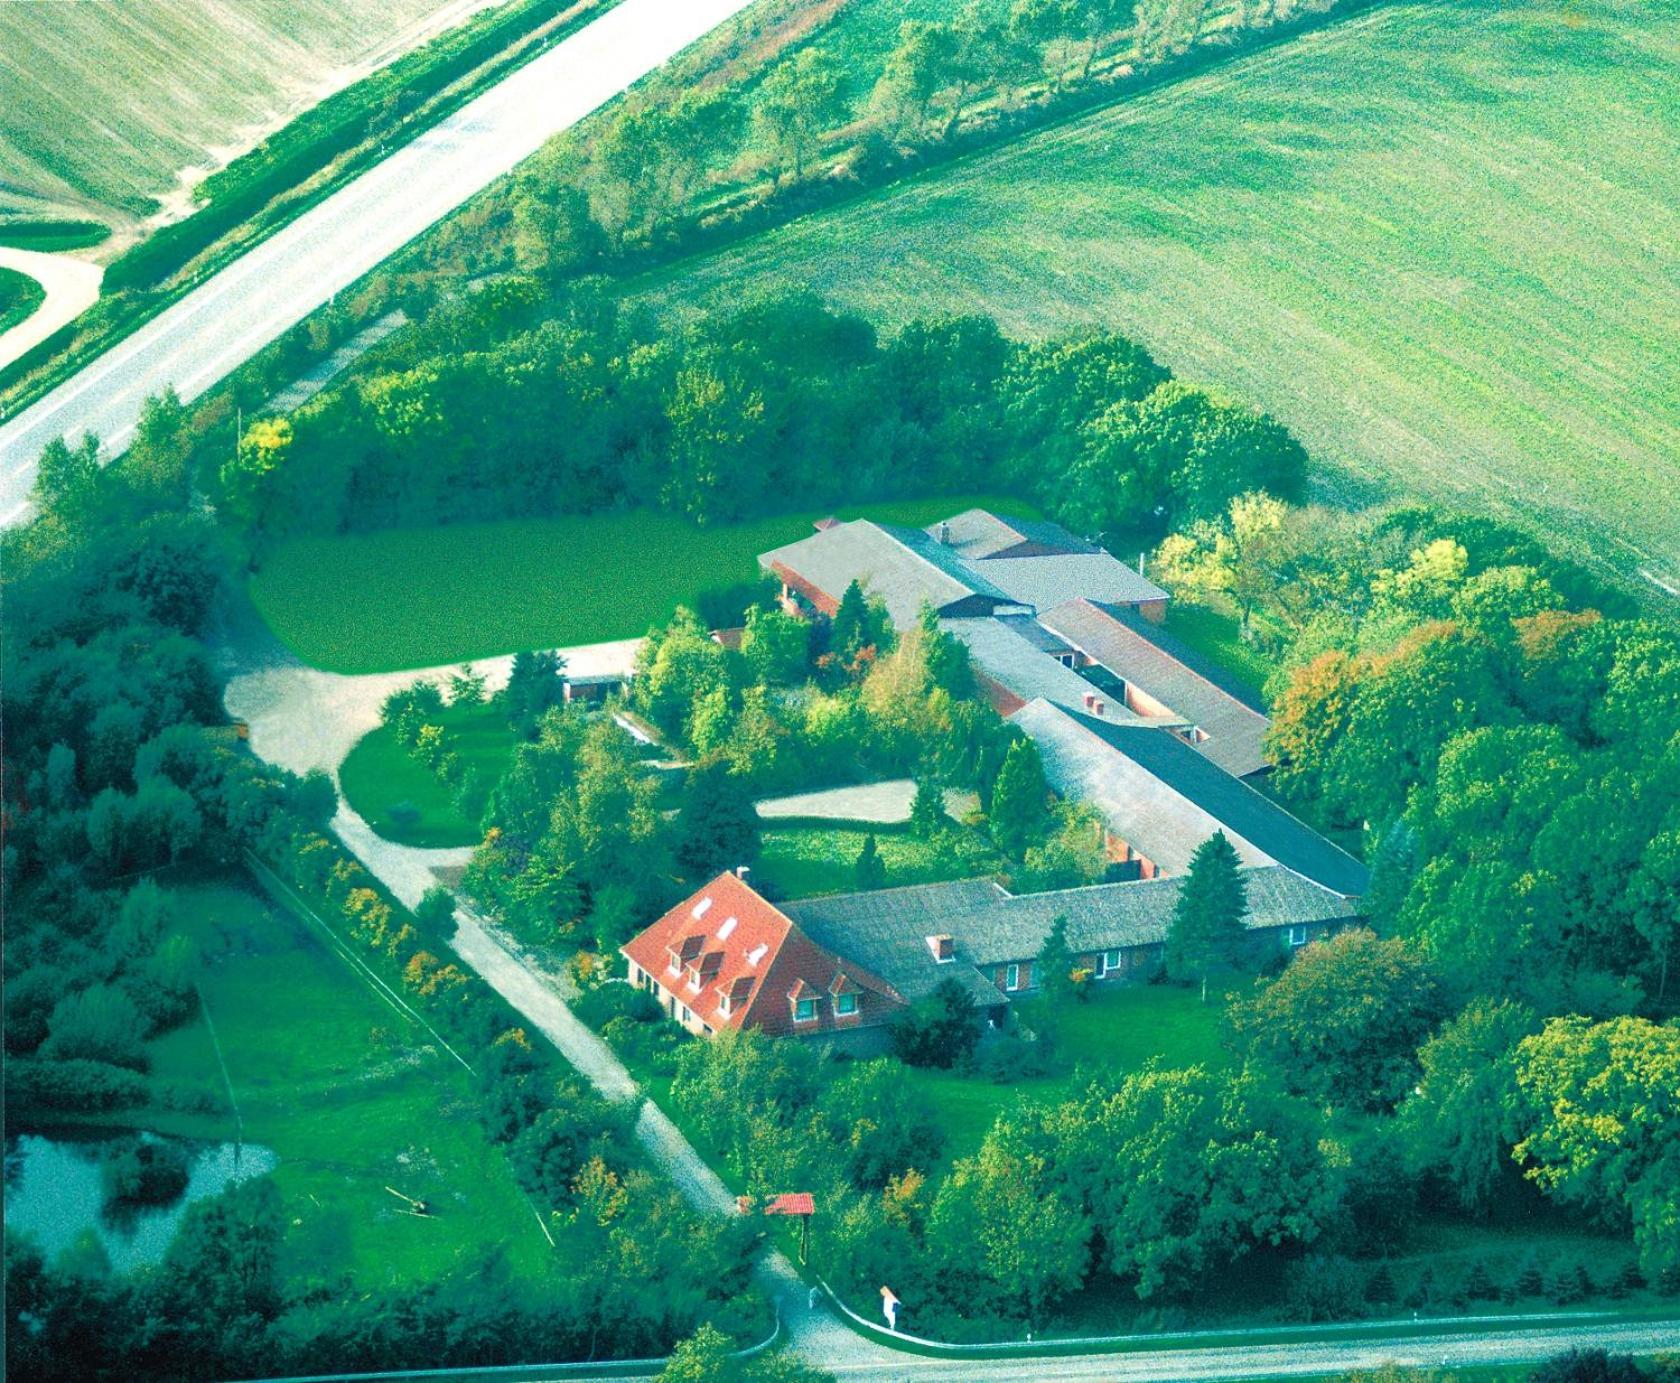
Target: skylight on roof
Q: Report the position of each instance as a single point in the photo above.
(701, 907)
(727, 927)
(757, 953)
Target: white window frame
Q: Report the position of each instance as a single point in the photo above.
(1012, 977)
(799, 1004)
(1111, 961)
(845, 1005)
(1298, 935)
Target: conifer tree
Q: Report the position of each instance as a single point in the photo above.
(1207, 929)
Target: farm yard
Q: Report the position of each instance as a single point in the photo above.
(352, 1096)
(1275, 226)
(409, 598)
(115, 127)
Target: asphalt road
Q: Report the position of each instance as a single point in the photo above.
(240, 310)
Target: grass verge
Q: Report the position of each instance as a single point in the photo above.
(411, 598)
(52, 235)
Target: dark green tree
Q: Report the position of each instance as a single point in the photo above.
(938, 1030)
(718, 825)
(927, 810)
(534, 685)
(1207, 932)
(1020, 814)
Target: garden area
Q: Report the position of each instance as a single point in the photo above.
(420, 597)
(359, 1106)
(806, 861)
(408, 802)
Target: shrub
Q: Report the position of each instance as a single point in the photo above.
(102, 1024)
(142, 1171)
(1321, 1288)
(81, 1086)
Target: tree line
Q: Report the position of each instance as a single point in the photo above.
(485, 412)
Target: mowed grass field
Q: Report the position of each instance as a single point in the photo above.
(1435, 239)
(412, 598)
(808, 861)
(351, 1095)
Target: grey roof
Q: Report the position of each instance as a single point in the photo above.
(1147, 659)
(887, 930)
(979, 535)
(902, 567)
(1164, 799)
(1045, 582)
(1021, 668)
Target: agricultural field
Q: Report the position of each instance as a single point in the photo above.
(350, 1094)
(1275, 225)
(403, 800)
(108, 110)
(410, 598)
(20, 295)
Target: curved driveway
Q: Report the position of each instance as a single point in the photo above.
(71, 286)
(252, 301)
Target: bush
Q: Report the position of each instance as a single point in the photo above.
(940, 1030)
(100, 1024)
(1013, 1058)
(1322, 1288)
(79, 1086)
(143, 1171)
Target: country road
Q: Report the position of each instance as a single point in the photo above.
(238, 311)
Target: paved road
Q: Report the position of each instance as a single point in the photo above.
(228, 319)
(71, 285)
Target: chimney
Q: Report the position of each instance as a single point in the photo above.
(742, 870)
(943, 948)
(1098, 708)
(944, 531)
(1140, 564)
(1090, 700)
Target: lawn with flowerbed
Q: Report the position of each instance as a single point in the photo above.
(404, 800)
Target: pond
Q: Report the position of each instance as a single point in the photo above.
(55, 1192)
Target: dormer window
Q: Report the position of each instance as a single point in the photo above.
(804, 1010)
(693, 978)
(845, 1004)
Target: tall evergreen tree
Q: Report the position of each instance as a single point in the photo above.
(927, 811)
(718, 828)
(1019, 814)
(850, 630)
(1207, 929)
(533, 686)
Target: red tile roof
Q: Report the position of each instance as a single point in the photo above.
(761, 992)
(792, 1203)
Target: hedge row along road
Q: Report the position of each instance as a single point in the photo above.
(240, 310)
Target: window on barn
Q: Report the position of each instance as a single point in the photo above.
(1012, 977)
(1297, 936)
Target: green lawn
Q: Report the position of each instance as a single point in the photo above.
(1120, 1028)
(1431, 238)
(421, 597)
(803, 862)
(49, 235)
(379, 775)
(20, 295)
(351, 1096)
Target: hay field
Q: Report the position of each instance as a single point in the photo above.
(1436, 239)
(105, 105)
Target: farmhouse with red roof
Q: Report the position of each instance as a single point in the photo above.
(726, 958)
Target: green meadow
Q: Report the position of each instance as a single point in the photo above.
(352, 1096)
(1435, 239)
(410, 598)
(403, 800)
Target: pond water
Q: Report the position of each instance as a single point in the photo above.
(54, 1193)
